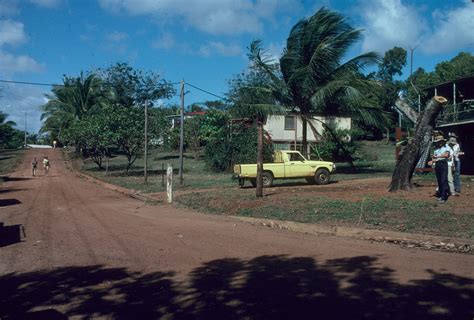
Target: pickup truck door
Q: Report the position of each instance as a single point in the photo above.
(297, 167)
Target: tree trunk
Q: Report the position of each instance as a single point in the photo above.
(304, 132)
(403, 173)
(259, 190)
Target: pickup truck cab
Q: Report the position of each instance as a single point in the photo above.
(287, 165)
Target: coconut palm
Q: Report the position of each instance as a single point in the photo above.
(314, 79)
(3, 120)
(76, 99)
(252, 97)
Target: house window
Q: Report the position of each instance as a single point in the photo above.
(289, 123)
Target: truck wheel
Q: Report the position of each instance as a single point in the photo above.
(267, 178)
(322, 176)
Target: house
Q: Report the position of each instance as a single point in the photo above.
(458, 116)
(286, 131)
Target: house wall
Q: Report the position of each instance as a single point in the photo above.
(275, 126)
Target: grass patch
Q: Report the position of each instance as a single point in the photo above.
(196, 175)
(387, 213)
(10, 159)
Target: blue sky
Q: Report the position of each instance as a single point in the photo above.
(201, 41)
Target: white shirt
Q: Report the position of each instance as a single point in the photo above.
(456, 149)
(451, 158)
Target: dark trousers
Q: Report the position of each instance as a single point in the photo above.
(441, 169)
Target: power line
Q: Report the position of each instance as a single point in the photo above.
(32, 83)
(60, 85)
(205, 91)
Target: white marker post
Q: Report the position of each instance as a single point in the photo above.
(169, 183)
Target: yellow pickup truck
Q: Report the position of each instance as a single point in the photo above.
(287, 165)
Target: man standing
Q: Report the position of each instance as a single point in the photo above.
(34, 166)
(453, 143)
(440, 161)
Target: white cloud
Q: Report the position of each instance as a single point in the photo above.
(389, 23)
(220, 48)
(11, 32)
(166, 41)
(15, 100)
(210, 16)
(117, 36)
(10, 64)
(453, 30)
(46, 3)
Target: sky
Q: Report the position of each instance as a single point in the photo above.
(203, 42)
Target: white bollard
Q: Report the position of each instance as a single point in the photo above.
(169, 183)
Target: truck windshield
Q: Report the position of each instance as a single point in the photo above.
(296, 157)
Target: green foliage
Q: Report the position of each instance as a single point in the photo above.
(330, 149)
(213, 124)
(460, 66)
(77, 99)
(237, 145)
(133, 87)
(10, 138)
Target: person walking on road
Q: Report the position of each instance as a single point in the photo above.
(34, 166)
(440, 161)
(46, 165)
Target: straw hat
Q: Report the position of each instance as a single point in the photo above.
(439, 139)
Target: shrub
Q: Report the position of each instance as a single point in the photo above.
(339, 150)
(237, 145)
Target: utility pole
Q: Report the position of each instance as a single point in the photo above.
(25, 129)
(411, 79)
(145, 165)
(181, 134)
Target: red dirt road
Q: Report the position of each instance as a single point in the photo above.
(88, 252)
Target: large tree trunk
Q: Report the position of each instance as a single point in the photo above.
(401, 177)
(259, 190)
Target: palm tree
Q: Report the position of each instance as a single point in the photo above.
(76, 99)
(252, 98)
(314, 80)
(3, 118)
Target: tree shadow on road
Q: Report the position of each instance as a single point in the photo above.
(9, 202)
(10, 234)
(7, 178)
(266, 287)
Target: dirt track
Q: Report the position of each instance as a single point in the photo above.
(94, 252)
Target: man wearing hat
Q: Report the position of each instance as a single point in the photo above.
(440, 160)
(453, 143)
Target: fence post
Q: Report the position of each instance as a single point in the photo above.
(169, 183)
